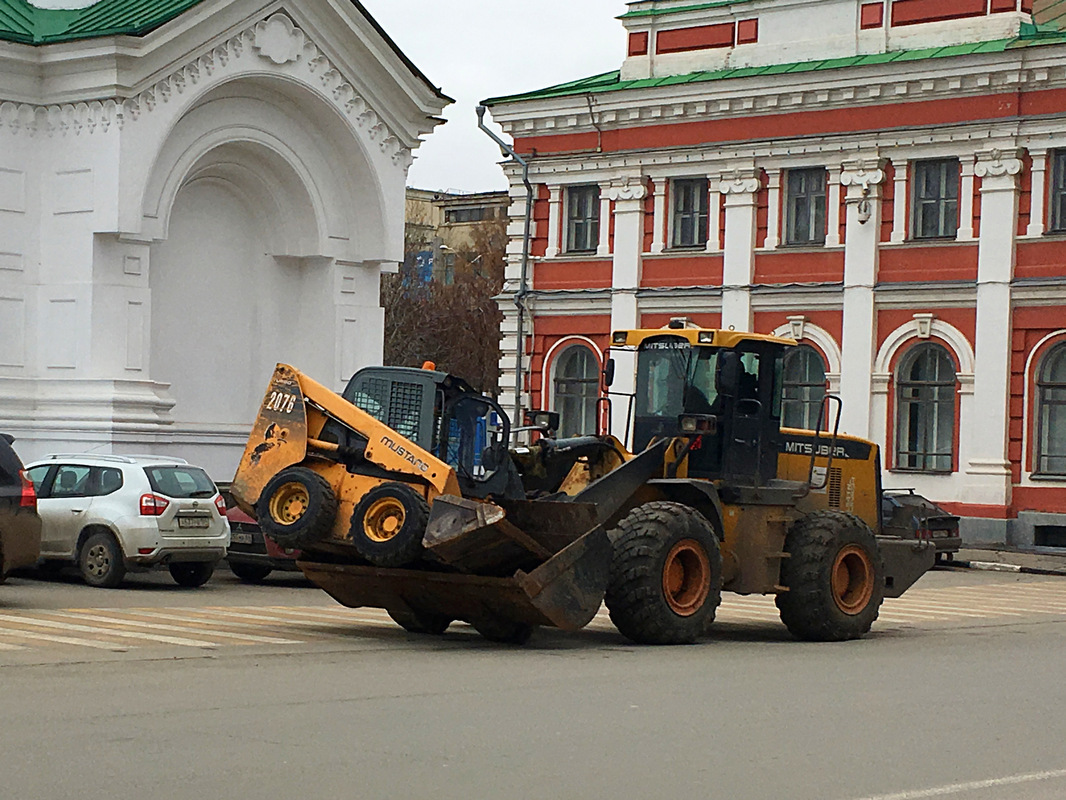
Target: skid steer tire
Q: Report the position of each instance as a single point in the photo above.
(835, 578)
(420, 621)
(297, 508)
(388, 525)
(666, 574)
(503, 631)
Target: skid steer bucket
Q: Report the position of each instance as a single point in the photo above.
(565, 591)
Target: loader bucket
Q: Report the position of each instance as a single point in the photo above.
(906, 560)
(565, 591)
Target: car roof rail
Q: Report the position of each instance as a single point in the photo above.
(86, 456)
(157, 459)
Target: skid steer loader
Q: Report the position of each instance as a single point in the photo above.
(403, 494)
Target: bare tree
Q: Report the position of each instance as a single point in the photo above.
(456, 325)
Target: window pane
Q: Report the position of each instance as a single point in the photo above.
(1051, 417)
(925, 435)
(690, 207)
(803, 388)
(805, 206)
(583, 215)
(935, 199)
(577, 387)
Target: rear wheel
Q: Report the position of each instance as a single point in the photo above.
(835, 578)
(191, 574)
(388, 525)
(420, 621)
(101, 562)
(666, 574)
(297, 508)
(249, 573)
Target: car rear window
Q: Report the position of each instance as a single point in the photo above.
(180, 481)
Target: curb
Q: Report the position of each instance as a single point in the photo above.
(996, 566)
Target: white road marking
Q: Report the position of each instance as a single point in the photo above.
(15, 633)
(66, 626)
(130, 623)
(971, 786)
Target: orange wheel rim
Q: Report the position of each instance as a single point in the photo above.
(686, 577)
(853, 579)
(384, 519)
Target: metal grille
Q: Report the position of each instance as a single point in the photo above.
(835, 479)
(405, 408)
(372, 395)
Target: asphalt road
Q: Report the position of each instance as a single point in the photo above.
(959, 692)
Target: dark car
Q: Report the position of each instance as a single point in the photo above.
(907, 514)
(20, 526)
(251, 555)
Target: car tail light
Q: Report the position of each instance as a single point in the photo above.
(29, 494)
(152, 505)
(220, 504)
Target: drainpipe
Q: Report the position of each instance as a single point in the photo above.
(523, 284)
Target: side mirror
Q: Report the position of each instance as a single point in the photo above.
(541, 420)
(608, 372)
(725, 381)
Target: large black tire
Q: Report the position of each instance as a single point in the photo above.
(420, 621)
(297, 508)
(503, 631)
(835, 578)
(388, 525)
(100, 561)
(249, 573)
(666, 574)
(191, 574)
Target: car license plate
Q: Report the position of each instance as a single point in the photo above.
(241, 538)
(194, 522)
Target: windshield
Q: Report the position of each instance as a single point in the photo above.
(475, 438)
(673, 377)
(180, 482)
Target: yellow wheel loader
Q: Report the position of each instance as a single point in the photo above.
(403, 494)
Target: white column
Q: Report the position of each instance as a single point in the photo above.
(605, 223)
(773, 209)
(658, 237)
(1038, 195)
(966, 201)
(899, 202)
(714, 227)
(555, 219)
(832, 213)
(741, 194)
(628, 197)
(863, 181)
(988, 473)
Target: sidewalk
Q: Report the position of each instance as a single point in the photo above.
(1032, 562)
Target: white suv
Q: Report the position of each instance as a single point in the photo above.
(110, 514)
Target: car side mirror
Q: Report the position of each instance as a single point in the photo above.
(608, 372)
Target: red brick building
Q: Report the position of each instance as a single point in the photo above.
(884, 181)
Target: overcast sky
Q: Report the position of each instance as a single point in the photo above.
(475, 49)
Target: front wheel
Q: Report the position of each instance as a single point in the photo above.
(388, 525)
(666, 574)
(101, 562)
(420, 621)
(835, 578)
(191, 574)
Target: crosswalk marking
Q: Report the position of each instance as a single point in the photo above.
(212, 627)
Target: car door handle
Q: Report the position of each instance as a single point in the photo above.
(77, 510)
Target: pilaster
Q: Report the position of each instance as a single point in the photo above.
(555, 219)
(1038, 193)
(862, 179)
(740, 188)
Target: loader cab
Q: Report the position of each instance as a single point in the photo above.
(722, 388)
(443, 415)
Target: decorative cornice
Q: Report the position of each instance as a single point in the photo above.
(276, 39)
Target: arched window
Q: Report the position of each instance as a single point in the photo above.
(577, 387)
(803, 388)
(925, 415)
(1051, 414)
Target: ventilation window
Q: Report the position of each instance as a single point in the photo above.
(1049, 535)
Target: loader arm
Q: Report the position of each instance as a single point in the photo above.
(294, 411)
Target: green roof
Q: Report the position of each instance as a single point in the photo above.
(612, 81)
(22, 22)
(658, 12)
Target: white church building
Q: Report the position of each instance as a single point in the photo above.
(191, 191)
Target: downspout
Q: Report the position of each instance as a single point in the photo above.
(523, 284)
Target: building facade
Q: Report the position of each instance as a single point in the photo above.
(190, 192)
(883, 181)
(442, 228)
